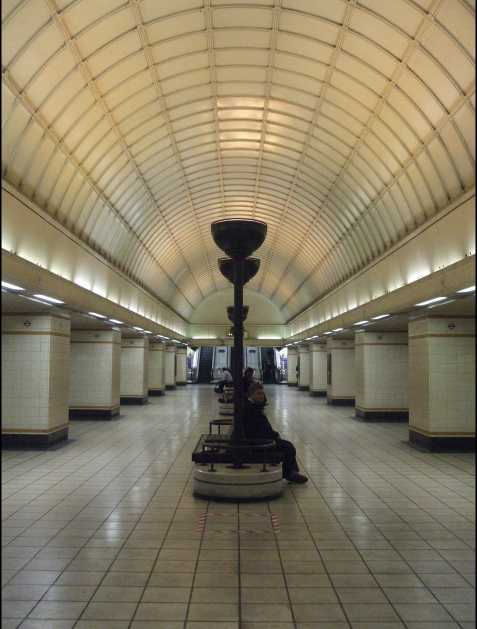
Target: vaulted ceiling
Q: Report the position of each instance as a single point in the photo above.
(342, 124)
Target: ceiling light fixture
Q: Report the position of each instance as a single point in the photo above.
(45, 303)
(52, 299)
(463, 290)
(116, 321)
(95, 314)
(11, 286)
(380, 316)
(361, 322)
(430, 301)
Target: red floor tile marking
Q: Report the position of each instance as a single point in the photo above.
(201, 523)
(273, 519)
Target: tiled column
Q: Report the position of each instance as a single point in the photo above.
(181, 379)
(382, 386)
(95, 366)
(304, 377)
(35, 374)
(442, 383)
(292, 361)
(171, 366)
(318, 369)
(134, 355)
(156, 369)
(340, 370)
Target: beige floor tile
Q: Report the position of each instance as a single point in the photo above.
(21, 592)
(70, 593)
(58, 609)
(161, 611)
(266, 612)
(324, 613)
(212, 595)
(422, 612)
(313, 596)
(370, 612)
(125, 594)
(263, 595)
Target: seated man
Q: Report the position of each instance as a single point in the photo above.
(247, 380)
(226, 379)
(257, 426)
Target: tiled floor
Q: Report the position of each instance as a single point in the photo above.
(102, 533)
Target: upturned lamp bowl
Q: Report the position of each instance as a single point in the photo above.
(231, 313)
(250, 268)
(238, 238)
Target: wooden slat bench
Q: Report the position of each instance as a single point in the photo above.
(225, 455)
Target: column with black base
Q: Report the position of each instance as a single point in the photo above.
(238, 482)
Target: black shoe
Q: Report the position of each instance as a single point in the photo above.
(295, 477)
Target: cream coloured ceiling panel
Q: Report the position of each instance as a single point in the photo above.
(343, 125)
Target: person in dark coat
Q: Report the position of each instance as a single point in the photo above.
(247, 380)
(257, 426)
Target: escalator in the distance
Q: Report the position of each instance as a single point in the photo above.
(204, 375)
(268, 365)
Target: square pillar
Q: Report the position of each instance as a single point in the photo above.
(95, 366)
(304, 375)
(134, 362)
(171, 366)
(181, 379)
(442, 383)
(382, 383)
(156, 371)
(340, 372)
(35, 379)
(318, 352)
(292, 362)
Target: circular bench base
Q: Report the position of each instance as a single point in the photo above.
(232, 485)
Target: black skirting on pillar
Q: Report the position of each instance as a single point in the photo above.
(382, 416)
(319, 393)
(181, 384)
(303, 388)
(170, 387)
(93, 413)
(156, 392)
(441, 444)
(42, 441)
(341, 401)
(134, 400)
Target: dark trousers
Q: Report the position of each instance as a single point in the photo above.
(289, 454)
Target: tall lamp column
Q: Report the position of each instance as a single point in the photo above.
(238, 239)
